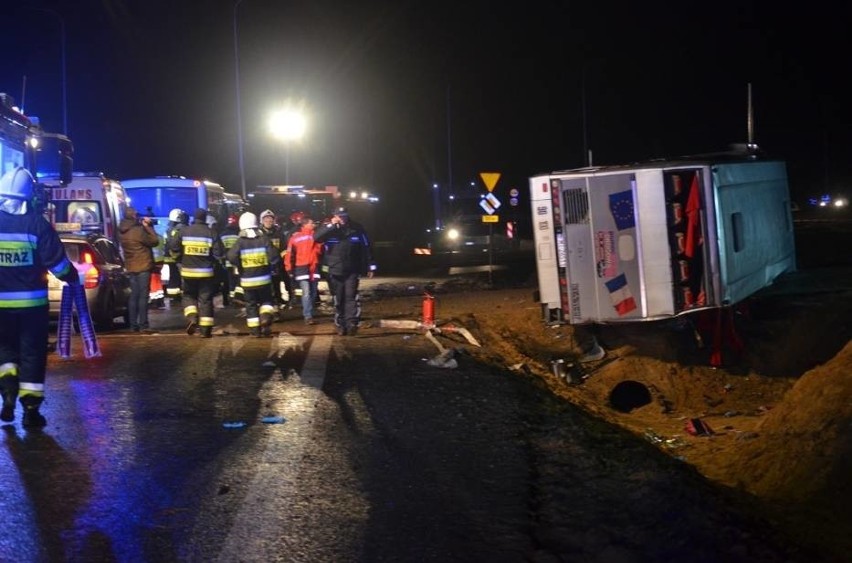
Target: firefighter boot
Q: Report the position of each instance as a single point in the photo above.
(206, 332)
(32, 418)
(191, 324)
(9, 391)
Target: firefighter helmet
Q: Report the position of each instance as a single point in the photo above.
(17, 183)
(248, 220)
(175, 215)
(267, 213)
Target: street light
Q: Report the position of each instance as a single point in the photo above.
(239, 113)
(287, 125)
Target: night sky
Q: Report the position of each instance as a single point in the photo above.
(404, 94)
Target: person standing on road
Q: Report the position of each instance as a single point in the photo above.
(303, 265)
(178, 219)
(346, 257)
(229, 235)
(29, 248)
(256, 258)
(138, 239)
(276, 236)
(198, 249)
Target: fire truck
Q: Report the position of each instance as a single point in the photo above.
(317, 203)
(23, 143)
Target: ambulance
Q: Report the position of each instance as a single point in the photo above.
(94, 203)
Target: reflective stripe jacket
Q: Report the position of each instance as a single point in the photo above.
(197, 248)
(256, 258)
(229, 236)
(172, 229)
(303, 255)
(29, 247)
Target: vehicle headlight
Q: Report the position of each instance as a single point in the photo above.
(453, 234)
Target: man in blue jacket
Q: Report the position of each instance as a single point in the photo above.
(346, 257)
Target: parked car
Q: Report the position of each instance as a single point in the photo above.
(102, 273)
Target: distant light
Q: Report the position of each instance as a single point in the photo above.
(453, 234)
(365, 195)
(353, 195)
(435, 186)
(840, 202)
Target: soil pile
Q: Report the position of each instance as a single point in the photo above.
(778, 399)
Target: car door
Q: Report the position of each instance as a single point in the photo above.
(115, 271)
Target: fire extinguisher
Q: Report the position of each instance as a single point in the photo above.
(428, 310)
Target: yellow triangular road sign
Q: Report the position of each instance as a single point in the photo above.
(490, 179)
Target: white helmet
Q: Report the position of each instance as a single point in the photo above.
(248, 220)
(267, 213)
(211, 221)
(17, 183)
(175, 215)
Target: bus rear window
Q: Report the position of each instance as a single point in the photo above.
(162, 200)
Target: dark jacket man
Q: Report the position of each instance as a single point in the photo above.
(346, 257)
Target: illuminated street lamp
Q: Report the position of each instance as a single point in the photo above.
(287, 125)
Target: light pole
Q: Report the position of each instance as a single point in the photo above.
(62, 44)
(287, 125)
(239, 112)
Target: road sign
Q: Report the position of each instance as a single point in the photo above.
(487, 207)
(490, 179)
(514, 192)
(490, 218)
(492, 199)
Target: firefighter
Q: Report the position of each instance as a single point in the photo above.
(276, 236)
(229, 236)
(31, 248)
(178, 219)
(197, 248)
(257, 259)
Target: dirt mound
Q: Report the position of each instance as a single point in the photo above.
(779, 407)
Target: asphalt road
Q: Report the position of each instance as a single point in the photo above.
(313, 447)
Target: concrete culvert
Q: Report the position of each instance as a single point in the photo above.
(629, 395)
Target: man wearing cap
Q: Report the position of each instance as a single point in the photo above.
(29, 248)
(346, 257)
(198, 248)
(277, 237)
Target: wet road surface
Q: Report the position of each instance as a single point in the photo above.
(313, 447)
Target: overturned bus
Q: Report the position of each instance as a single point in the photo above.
(659, 239)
